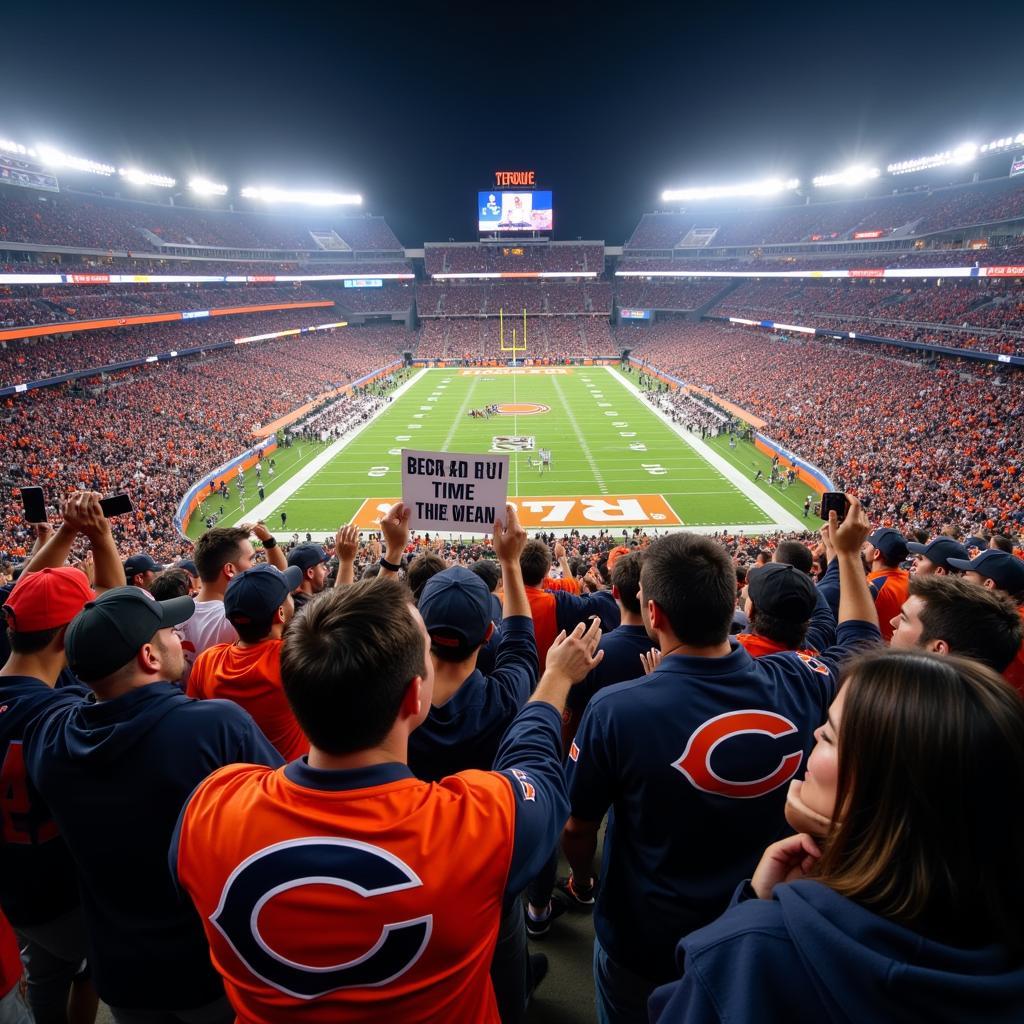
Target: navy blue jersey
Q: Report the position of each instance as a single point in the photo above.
(465, 731)
(622, 649)
(116, 775)
(37, 874)
(694, 762)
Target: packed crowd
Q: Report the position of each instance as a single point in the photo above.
(431, 725)
(489, 259)
(927, 445)
(655, 294)
(550, 297)
(94, 222)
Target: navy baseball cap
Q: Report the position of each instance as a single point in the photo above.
(1005, 570)
(976, 542)
(891, 543)
(254, 595)
(188, 565)
(106, 634)
(940, 550)
(306, 556)
(456, 609)
(141, 563)
(783, 591)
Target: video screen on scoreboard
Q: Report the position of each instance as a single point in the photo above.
(514, 211)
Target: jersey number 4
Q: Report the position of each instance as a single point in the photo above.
(16, 803)
(363, 869)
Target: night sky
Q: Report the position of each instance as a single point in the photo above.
(416, 110)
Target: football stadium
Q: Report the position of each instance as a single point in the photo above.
(511, 559)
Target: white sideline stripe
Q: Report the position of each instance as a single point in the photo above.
(783, 520)
(584, 447)
(266, 507)
(457, 422)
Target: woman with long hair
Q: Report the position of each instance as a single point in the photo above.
(900, 898)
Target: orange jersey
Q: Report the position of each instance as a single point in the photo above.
(367, 894)
(890, 588)
(251, 677)
(1014, 672)
(758, 646)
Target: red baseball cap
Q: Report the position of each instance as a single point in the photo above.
(47, 599)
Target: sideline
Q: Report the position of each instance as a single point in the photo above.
(269, 505)
(783, 520)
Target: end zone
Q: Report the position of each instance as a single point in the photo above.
(587, 512)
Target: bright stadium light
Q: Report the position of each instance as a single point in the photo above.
(7, 146)
(768, 187)
(854, 175)
(207, 188)
(137, 177)
(962, 154)
(1007, 142)
(269, 194)
(53, 157)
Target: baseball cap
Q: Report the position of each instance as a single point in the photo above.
(188, 565)
(891, 543)
(782, 590)
(1004, 569)
(615, 554)
(976, 542)
(306, 556)
(940, 550)
(141, 563)
(107, 632)
(456, 608)
(254, 595)
(47, 599)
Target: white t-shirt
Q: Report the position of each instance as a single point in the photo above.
(205, 629)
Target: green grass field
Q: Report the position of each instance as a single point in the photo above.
(614, 462)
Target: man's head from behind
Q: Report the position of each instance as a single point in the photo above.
(688, 589)
(950, 615)
(780, 601)
(125, 638)
(886, 548)
(41, 605)
(349, 662)
(421, 569)
(792, 552)
(456, 609)
(260, 598)
(626, 581)
(222, 552)
(535, 561)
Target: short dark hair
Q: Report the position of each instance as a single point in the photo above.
(782, 631)
(489, 571)
(254, 632)
(976, 622)
(347, 661)
(216, 548)
(34, 642)
(626, 578)
(535, 561)
(792, 552)
(692, 580)
(170, 583)
(1000, 542)
(421, 569)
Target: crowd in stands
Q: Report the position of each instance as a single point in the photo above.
(68, 219)
(489, 259)
(536, 297)
(928, 445)
(638, 293)
(390, 298)
(899, 215)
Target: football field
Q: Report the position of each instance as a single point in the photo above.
(615, 463)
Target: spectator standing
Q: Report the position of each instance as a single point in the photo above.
(137, 743)
(934, 556)
(886, 549)
(140, 569)
(311, 560)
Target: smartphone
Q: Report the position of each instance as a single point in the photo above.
(35, 504)
(116, 505)
(834, 501)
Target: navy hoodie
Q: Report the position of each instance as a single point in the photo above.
(811, 956)
(116, 775)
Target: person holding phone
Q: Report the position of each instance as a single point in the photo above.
(893, 902)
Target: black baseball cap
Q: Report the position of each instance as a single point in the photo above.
(782, 590)
(1005, 570)
(254, 595)
(891, 543)
(105, 635)
(940, 550)
(306, 556)
(141, 563)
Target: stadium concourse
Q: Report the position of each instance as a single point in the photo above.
(211, 364)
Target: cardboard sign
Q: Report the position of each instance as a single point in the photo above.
(454, 492)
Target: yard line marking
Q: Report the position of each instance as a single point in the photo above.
(584, 447)
(461, 413)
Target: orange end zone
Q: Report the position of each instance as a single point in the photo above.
(600, 511)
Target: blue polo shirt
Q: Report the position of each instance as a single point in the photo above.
(466, 730)
(694, 761)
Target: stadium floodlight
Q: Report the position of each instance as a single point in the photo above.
(7, 146)
(137, 177)
(767, 187)
(53, 157)
(207, 188)
(1007, 142)
(855, 175)
(270, 194)
(962, 154)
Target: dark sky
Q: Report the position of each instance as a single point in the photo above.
(416, 106)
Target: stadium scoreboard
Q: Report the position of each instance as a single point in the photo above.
(514, 204)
